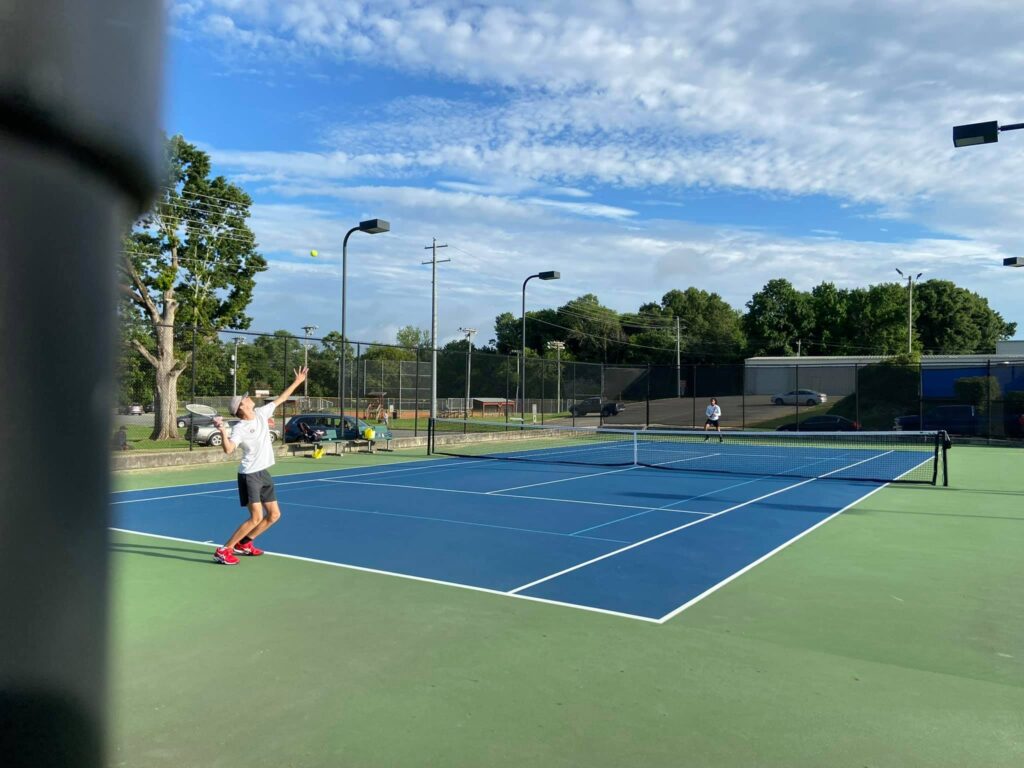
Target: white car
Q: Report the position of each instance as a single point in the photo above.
(800, 397)
(207, 434)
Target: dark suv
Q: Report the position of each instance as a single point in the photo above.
(596, 405)
(327, 426)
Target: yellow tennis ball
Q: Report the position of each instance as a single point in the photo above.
(314, 254)
(369, 434)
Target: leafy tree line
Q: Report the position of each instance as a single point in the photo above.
(188, 271)
(779, 321)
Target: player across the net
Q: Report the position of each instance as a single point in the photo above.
(874, 456)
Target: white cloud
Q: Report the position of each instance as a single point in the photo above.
(851, 101)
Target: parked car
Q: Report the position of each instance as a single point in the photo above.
(149, 407)
(823, 423)
(327, 426)
(207, 434)
(189, 419)
(801, 397)
(596, 405)
(133, 410)
(954, 419)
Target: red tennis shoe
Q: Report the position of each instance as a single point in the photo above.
(249, 549)
(223, 555)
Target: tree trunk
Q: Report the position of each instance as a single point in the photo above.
(167, 370)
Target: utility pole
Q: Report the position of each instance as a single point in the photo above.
(679, 367)
(910, 307)
(308, 330)
(558, 346)
(469, 364)
(433, 321)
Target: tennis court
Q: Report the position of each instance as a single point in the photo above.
(600, 531)
(889, 637)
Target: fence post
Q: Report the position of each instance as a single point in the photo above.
(920, 394)
(797, 389)
(647, 418)
(743, 399)
(191, 418)
(856, 392)
(416, 400)
(988, 398)
(693, 378)
(543, 377)
(572, 414)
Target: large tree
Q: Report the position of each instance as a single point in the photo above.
(191, 260)
(710, 329)
(778, 316)
(952, 320)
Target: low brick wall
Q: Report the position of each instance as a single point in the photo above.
(126, 460)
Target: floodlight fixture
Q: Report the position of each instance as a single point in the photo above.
(374, 226)
(980, 133)
(1013, 261)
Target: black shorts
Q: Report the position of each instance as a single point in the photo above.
(711, 423)
(256, 487)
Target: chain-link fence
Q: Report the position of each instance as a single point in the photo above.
(382, 383)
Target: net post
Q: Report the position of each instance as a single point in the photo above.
(430, 436)
(636, 452)
(945, 461)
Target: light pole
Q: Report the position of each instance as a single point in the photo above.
(558, 346)
(910, 307)
(469, 363)
(234, 366)
(308, 330)
(370, 227)
(542, 276)
(433, 321)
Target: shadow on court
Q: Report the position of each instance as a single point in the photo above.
(149, 551)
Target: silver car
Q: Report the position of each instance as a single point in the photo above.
(801, 397)
(207, 434)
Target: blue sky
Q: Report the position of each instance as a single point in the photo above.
(635, 147)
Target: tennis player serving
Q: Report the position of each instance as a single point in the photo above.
(255, 485)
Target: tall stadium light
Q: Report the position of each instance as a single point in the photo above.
(543, 276)
(910, 306)
(558, 346)
(308, 330)
(469, 364)
(980, 133)
(370, 227)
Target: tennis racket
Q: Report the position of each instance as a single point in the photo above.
(201, 410)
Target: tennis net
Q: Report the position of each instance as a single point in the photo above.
(913, 457)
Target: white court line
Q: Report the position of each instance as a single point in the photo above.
(653, 538)
(598, 474)
(668, 507)
(450, 521)
(563, 480)
(764, 557)
(486, 493)
(458, 464)
(685, 525)
(409, 577)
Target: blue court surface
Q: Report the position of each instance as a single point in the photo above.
(632, 541)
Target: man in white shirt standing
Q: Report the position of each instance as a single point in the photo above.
(713, 415)
(255, 485)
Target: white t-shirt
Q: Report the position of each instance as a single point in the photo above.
(253, 437)
(713, 412)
